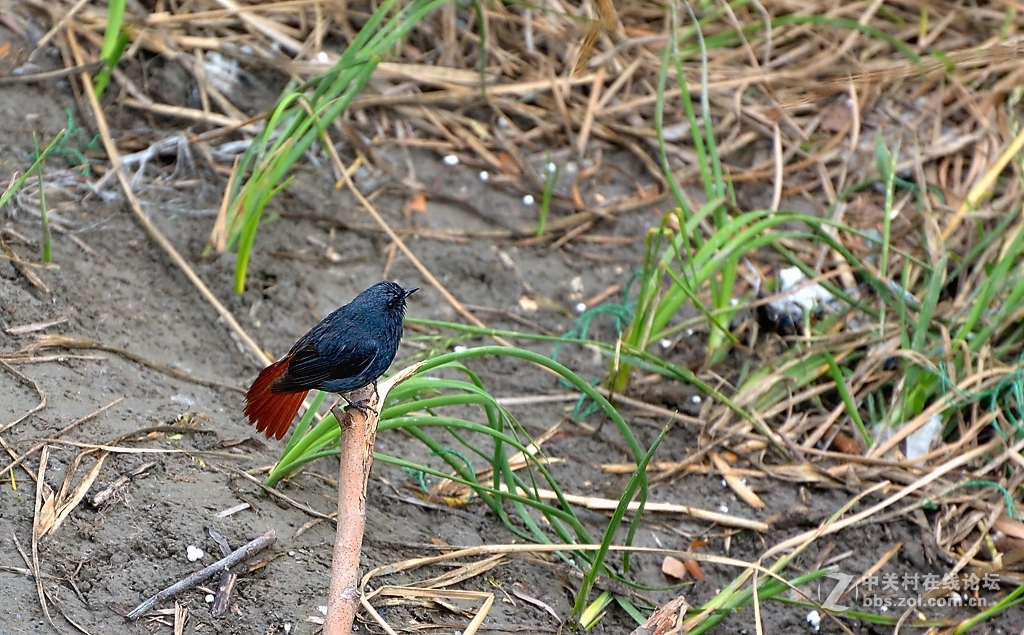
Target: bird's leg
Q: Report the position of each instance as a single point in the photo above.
(362, 405)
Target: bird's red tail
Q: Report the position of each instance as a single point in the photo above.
(272, 412)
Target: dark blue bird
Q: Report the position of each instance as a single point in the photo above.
(349, 349)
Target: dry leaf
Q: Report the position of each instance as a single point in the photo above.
(674, 568)
(507, 164)
(418, 203)
(846, 444)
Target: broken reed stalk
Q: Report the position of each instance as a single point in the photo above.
(359, 431)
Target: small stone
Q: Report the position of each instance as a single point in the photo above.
(193, 553)
(484, 176)
(209, 598)
(528, 200)
(451, 160)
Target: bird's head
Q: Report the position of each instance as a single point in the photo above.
(388, 295)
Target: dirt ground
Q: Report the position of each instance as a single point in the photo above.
(115, 287)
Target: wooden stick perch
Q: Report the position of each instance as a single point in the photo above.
(359, 431)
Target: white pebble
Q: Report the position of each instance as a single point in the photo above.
(581, 307)
(551, 168)
(733, 302)
(322, 57)
(209, 598)
(451, 160)
(723, 508)
(484, 176)
(695, 399)
(814, 619)
(665, 344)
(193, 553)
(724, 484)
(291, 553)
(689, 332)
(528, 200)
(459, 349)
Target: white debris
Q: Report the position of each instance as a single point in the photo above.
(484, 176)
(581, 307)
(551, 168)
(814, 619)
(924, 438)
(459, 349)
(193, 553)
(209, 598)
(723, 508)
(322, 608)
(221, 71)
(695, 399)
(528, 200)
(323, 58)
(801, 300)
(451, 160)
(665, 344)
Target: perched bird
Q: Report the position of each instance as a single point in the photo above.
(349, 349)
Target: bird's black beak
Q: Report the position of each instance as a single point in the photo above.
(409, 292)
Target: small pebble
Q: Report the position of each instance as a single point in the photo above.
(814, 619)
(193, 553)
(322, 57)
(209, 598)
(484, 176)
(551, 168)
(581, 307)
(723, 508)
(733, 302)
(451, 160)
(689, 332)
(665, 344)
(528, 200)
(291, 553)
(695, 399)
(459, 349)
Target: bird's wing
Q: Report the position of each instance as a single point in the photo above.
(310, 367)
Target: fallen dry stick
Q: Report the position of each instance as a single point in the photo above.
(357, 439)
(187, 583)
